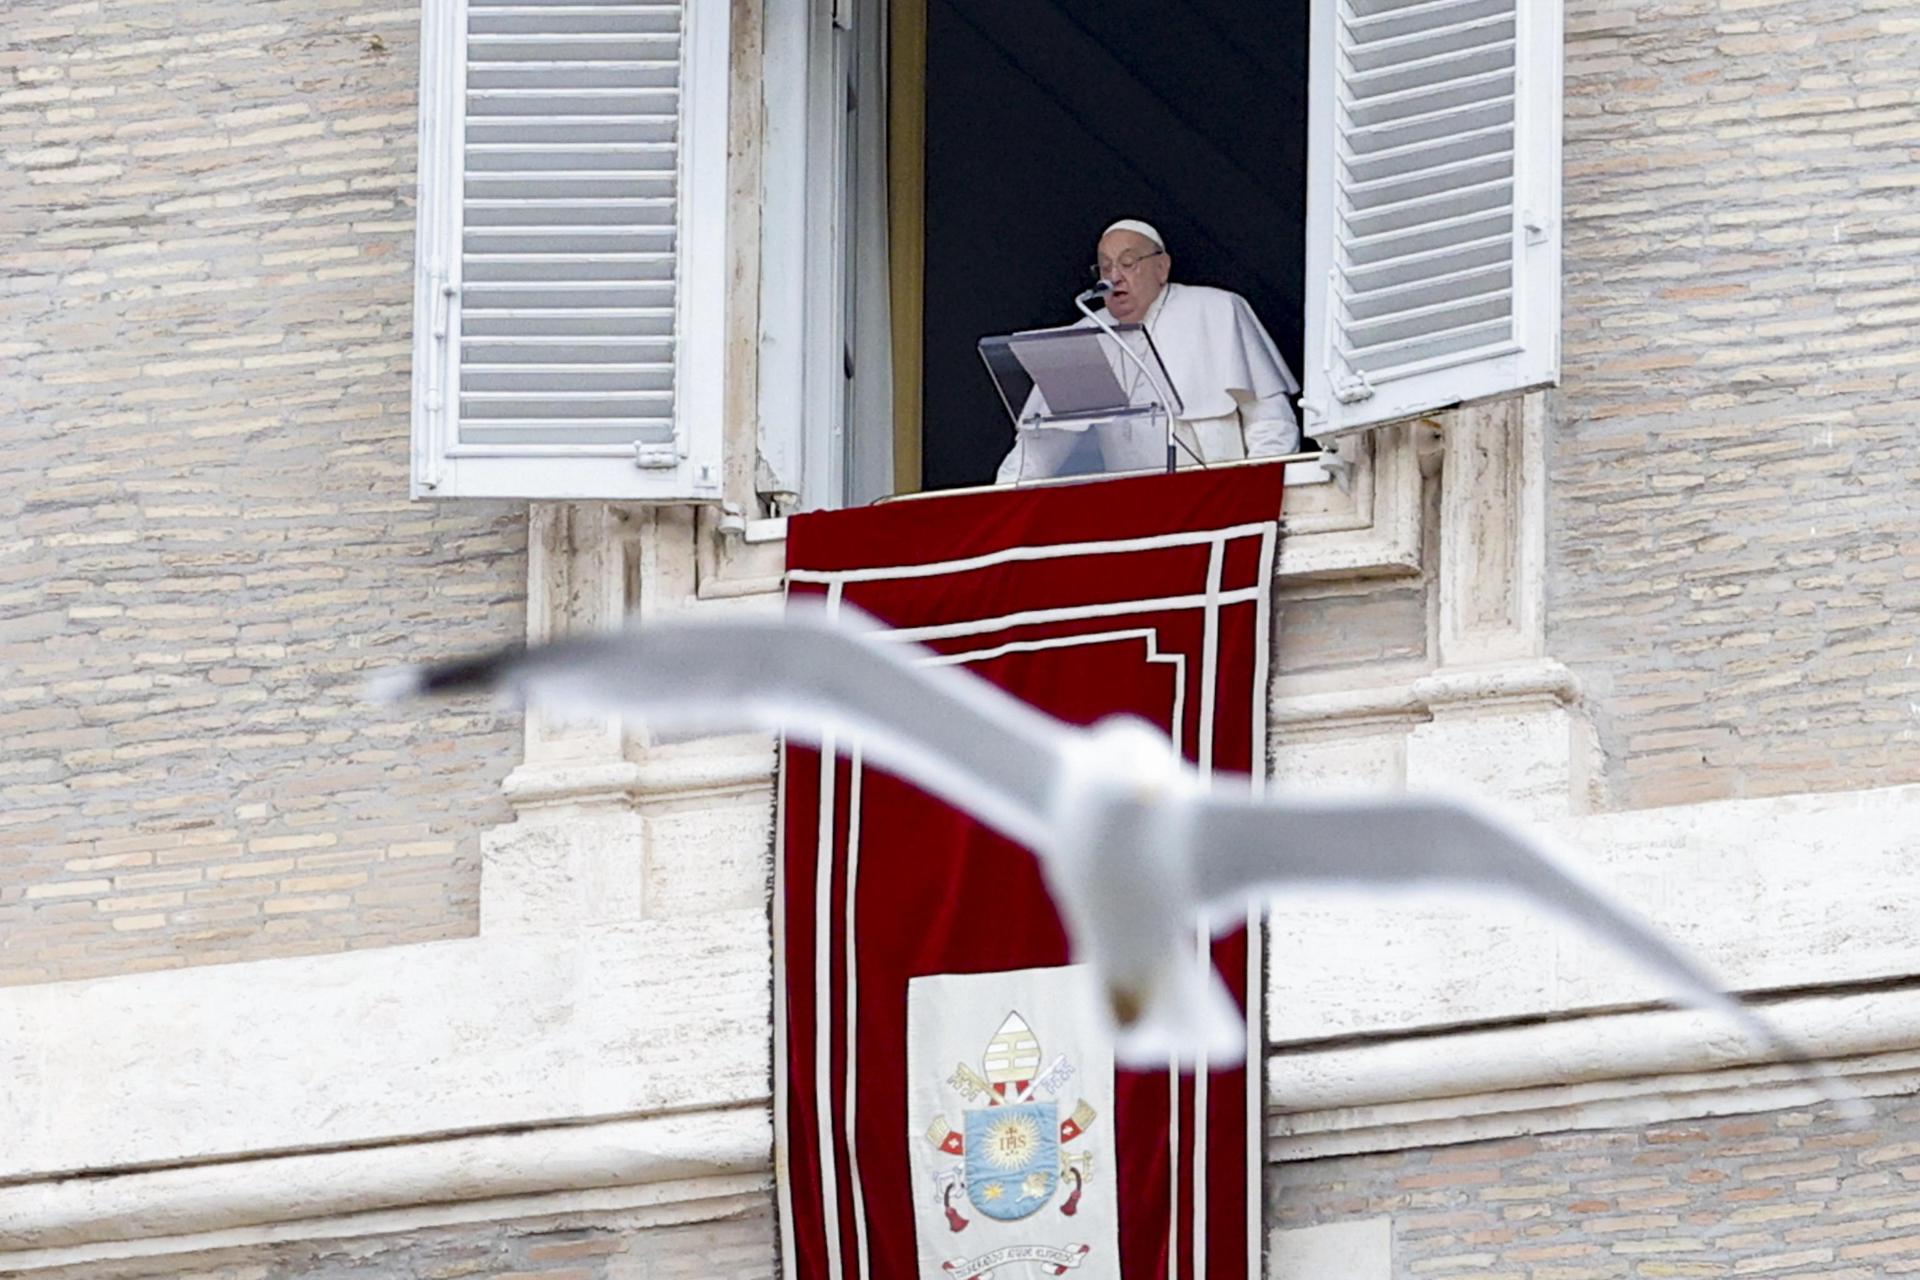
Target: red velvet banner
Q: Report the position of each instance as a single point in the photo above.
(1148, 596)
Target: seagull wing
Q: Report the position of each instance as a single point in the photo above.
(943, 729)
(1242, 847)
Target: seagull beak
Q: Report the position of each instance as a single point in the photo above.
(1187, 1018)
(1127, 1004)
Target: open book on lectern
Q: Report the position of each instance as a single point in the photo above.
(1079, 377)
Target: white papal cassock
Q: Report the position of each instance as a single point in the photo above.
(1225, 369)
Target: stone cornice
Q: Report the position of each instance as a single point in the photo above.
(1602, 1071)
(687, 1167)
(661, 777)
(1542, 680)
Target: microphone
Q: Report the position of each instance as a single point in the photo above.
(1164, 409)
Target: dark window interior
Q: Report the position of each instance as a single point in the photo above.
(1048, 119)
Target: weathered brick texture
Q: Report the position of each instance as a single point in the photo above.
(1735, 541)
(602, 1247)
(1788, 1193)
(205, 249)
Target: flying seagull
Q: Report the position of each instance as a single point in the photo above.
(1135, 848)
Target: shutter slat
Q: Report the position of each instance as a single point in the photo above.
(551, 268)
(600, 186)
(562, 76)
(604, 101)
(1452, 288)
(1448, 348)
(541, 402)
(615, 322)
(1428, 48)
(1429, 73)
(561, 20)
(1429, 99)
(527, 238)
(590, 296)
(1429, 321)
(561, 437)
(1408, 19)
(1398, 161)
(1415, 268)
(542, 382)
(567, 131)
(1423, 210)
(1438, 235)
(1428, 128)
(503, 157)
(1401, 187)
(563, 350)
(482, 49)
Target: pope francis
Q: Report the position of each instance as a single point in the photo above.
(1229, 377)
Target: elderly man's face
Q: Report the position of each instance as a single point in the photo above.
(1138, 268)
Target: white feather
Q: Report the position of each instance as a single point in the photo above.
(1135, 851)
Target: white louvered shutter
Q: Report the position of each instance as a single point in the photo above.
(569, 307)
(1433, 207)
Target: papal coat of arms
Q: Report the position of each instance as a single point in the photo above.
(1014, 1148)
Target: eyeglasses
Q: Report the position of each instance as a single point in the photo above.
(1125, 262)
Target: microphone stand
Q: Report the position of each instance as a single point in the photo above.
(1101, 290)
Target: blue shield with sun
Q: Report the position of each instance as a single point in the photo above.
(1013, 1157)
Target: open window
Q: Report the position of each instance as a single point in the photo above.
(1379, 178)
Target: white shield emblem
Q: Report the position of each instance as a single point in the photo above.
(1010, 1086)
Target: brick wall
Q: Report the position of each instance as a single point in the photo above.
(1735, 548)
(1788, 1193)
(205, 246)
(605, 1247)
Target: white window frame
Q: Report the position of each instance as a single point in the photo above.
(691, 469)
(815, 450)
(803, 255)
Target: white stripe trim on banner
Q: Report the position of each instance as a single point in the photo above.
(1257, 937)
(1152, 637)
(823, 1006)
(1204, 948)
(1209, 693)
(1173, 1170)
(782, 1158)
(1256, 1090)
(1210, 652)
(1071, 613)
(1263, 642)
(823, 988)
(782, 1139)
(1048, 551)
(855, 771)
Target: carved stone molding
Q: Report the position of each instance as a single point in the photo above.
(684, 1168)
(1595, 1072)
(1493, 533)
(1369, 527)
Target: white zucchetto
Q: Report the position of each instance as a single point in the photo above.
(1139, 228)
